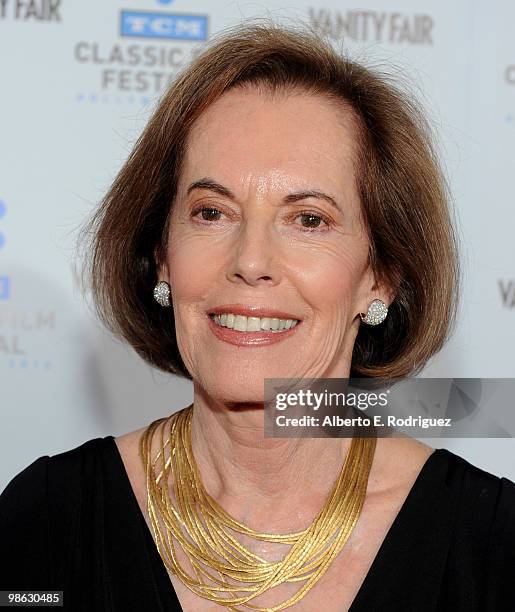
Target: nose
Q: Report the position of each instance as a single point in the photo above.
(254, 258)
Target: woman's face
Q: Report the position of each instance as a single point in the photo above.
(274, 222)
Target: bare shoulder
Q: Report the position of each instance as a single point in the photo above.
(128, 447)
(130, 441)
(398, 462)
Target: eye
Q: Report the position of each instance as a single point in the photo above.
(208, 213)
(313, 220)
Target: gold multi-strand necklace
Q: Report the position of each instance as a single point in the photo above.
(224, 570)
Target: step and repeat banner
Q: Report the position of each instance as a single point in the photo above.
(78, 82)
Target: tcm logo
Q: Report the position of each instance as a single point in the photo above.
(146, 24)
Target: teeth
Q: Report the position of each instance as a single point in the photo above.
(240, 323)
(265, 323)
(253, 324)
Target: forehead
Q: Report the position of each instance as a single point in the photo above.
(249, 136)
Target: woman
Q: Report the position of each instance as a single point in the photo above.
(277, 192)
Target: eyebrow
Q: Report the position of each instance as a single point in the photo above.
(212, 185)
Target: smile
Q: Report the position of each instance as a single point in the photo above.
(242, 323)
(240, 330)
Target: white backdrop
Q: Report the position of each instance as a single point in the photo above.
(78, 82)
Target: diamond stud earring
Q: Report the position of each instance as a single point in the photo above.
(376, 314)
(162, 293)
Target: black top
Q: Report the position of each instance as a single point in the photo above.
(71, 522)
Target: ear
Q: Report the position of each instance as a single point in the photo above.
(379, 287)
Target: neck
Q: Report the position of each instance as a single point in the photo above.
(244, 471)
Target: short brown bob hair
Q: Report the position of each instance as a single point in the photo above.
(403, 193)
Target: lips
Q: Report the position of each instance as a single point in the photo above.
(252, 311)
(250, 339)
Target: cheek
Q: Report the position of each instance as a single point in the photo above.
(194, 265)
(332, 276)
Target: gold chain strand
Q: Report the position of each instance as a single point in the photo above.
(225, 571)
